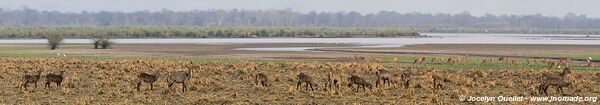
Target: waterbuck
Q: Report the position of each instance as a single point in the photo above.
(261, 79)
(147, 78)
(179, 77)
(56, 78)
(28, 78)
(354, 79)
(307, 79)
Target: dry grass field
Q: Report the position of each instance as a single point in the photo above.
(114, 81)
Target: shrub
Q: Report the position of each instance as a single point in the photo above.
(96, 43)
(106, 43)
(54, 40)
(101, 42)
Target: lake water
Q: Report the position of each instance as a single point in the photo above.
(435, 38)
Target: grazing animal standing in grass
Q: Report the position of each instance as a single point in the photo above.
(383, 76)
(31, 79)
(462, 58)
(179, 77)
(354, 79)
(147, 78)
(452, 60)
(565, 72)
(56, 78)
(406, 78)
(566, 62)
(558, 83)
(513, 61)
(438, 82)
(261, 79)
(457, 59)
(419, 60)
(555, 80)
(435, 59)
(333, 80)
(486, 61)
(590, 64)
(394, 60)
(377, 60)
(510, 61)
(553, 64)
(357, 58)
(304, 78)
(531, 61)
(545, 61)
(396, 79)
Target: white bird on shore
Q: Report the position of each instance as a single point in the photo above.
(64, 55)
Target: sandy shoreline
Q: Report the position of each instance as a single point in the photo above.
(227, 51)
(494, 48)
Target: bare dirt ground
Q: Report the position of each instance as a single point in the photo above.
(221, 51)
(227, 51)
(488, 49)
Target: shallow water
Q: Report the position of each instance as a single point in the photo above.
(435, 38)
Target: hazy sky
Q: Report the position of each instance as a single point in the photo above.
(591, 8)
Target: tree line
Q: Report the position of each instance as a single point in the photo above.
(198, 32)
(290, 18)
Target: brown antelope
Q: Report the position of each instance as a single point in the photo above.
(304, 78)
(553, 64)
(486, 61)
(147, 78)
(377, 60)
(31, 79)
(419, 60)
(261, 79)
(531, 61)
(396, 79)
(462, 58)
(511, 61)
(383, 76)
(179, 77)
(438, 82)
(333, 80)
(590, 64)
(558, 83)
(545, 61)
(359, 58)
(406, 78)
(56, 78)
(452, 60)
(354, 79)
(456, 59)
(566, 62)
(435, 59)
(562, 76)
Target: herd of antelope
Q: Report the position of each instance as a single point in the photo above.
(561, 63)
(56, 77)
(149, 78)
(558, 80)
(334, 79)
